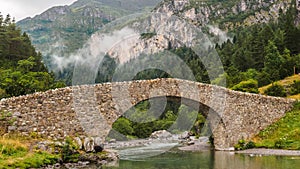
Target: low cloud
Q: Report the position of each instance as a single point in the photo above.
(220, 34)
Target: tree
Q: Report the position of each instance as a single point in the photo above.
(21, 68)
(276, 90)
(273, 61)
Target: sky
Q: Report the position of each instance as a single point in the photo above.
(20, 9)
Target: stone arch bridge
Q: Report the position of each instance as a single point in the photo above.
(90, 110)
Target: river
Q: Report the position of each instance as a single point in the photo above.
(165, 156)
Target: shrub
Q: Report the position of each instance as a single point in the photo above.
(295, 88)
(250, 86)
(242, 145)
(276, 90)
(2, 93)
(69, 151)
(123, 126)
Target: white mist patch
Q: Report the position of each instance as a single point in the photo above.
(221, 35)
(93, 51)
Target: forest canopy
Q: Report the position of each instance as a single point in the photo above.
(21, 68)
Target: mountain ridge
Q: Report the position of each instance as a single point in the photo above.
(67, 31)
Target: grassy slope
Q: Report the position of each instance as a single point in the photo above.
(16, 153)
(285, 82)
(284, 134)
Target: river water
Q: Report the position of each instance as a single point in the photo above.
(165, 156)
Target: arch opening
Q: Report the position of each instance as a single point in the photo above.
(178, 116)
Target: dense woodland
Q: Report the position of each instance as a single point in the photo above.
(21, 68)
(264, 52)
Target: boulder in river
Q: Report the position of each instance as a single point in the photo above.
(161, 134)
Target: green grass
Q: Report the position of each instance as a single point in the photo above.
(285, 82)
(16, 154)
(284, 134)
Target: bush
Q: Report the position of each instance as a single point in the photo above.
(295, 88)
(2, 93)
(69, 151)
(250, 86)
(243, 145)
(276, 90)
(123, 126)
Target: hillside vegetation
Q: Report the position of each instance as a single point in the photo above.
(290, 86)
(284, 134)
(21, 68)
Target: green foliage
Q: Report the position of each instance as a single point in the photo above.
(295, 88)
(270, 50)
(284, 134)
(14, 154)
(141, 122)
(6, 117)
(21, 68)
(2, 93)
(243, 145)
(273, 61)
(276, 90)
(69, 151)
(124, 126)
(250, 86)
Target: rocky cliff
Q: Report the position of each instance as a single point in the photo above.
(228, 14)
(63, 29)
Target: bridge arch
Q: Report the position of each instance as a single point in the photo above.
(157, 106)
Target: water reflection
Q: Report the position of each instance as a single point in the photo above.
(209, 160)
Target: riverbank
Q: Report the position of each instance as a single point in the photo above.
(263, 151)
(200, 146)
(24, 152)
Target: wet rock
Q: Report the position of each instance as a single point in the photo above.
(89, 144)
(184, 135)
(162, 134)
(112, 141)
(78, 142)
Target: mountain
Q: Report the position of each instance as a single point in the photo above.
(228, 14)
(66, 28)
(62, 30)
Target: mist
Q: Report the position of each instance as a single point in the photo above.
(220, 34)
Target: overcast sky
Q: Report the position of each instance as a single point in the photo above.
(20, 9)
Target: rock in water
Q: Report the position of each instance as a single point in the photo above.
(162, 134)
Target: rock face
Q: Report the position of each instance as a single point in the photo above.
(207, 12)
(90, 110)
(64, 29)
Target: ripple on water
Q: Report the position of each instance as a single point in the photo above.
(141, 153)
